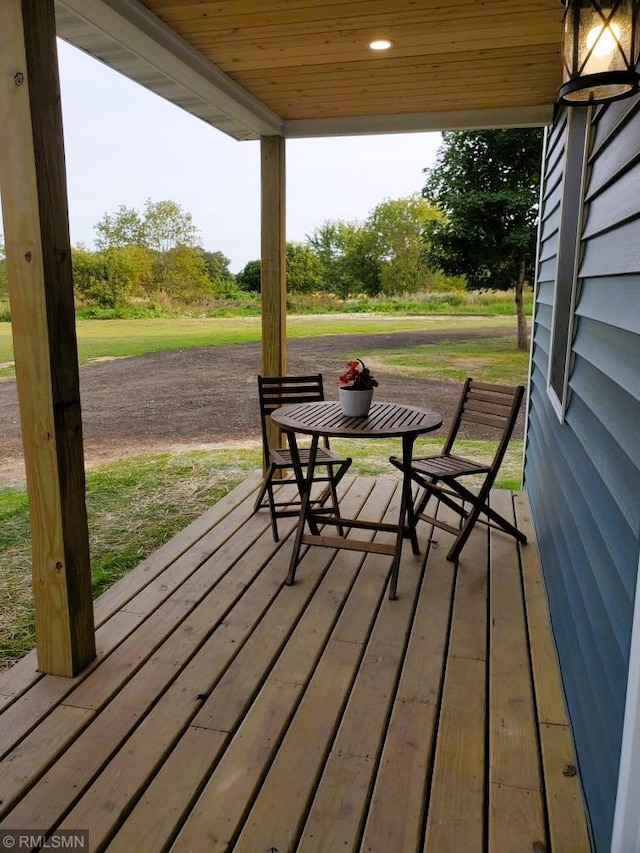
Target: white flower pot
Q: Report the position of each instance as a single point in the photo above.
(355, 404)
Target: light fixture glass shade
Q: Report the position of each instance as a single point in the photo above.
(600, 46)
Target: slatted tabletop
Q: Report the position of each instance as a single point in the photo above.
(385, 420)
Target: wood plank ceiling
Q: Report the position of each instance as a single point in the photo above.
(307, 68)
(310, 59)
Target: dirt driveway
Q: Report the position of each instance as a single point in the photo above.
(207, 396)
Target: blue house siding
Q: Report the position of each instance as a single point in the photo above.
(583, 472)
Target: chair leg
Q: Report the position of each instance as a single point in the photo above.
(330, 492)
(334, 497)
(274, 517)
(265, 484)
(504, 524)
(464, 534)
(267, 487)
(424, 500)
(479, 506)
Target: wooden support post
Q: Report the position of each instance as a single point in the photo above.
(273, 265)
(36, 228)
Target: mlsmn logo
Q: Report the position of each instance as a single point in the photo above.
(26, 839)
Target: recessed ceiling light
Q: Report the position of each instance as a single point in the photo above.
(380, 44)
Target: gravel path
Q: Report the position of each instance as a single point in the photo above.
(207, 396)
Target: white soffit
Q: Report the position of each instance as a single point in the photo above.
(128, 38)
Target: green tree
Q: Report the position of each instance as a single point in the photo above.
(181, 271)
(170, 238)
(122, 228)
(249, 277)
(169, 232)
(359, 265)
(487, 184)
(397, 230)
(118, 280)
(304, 269)
(344, 250)
(141, 263)
(85, 269)
(107, 277)
(327, 242)
(165, 225)
(384, 255)
(217, 268)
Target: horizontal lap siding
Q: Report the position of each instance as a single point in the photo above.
(597, 766)
(583, 475)
(607, 300)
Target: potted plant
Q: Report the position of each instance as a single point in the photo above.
(356, 389)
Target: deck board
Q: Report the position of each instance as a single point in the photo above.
(516, 817)
(340, 802)
(228, 711)
(564, 801)
(457, 800)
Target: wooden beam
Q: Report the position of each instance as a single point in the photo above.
(273, 268)
(464, 119)
(34, 201)
(273, 271)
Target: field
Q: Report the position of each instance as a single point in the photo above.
(100, 339)
(171, 430)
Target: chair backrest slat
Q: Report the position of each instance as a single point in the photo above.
(495, 389)
(487, 420)
(499, 410)
(488, 397)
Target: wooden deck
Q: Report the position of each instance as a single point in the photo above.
(227, 711)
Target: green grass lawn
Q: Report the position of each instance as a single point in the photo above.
(492, 360)
(168, 492)
(117, 338)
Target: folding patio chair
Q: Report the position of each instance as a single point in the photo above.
(494, 406)
(276, 391)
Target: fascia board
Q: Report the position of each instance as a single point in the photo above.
(420, 122)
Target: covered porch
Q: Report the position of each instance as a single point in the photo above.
(225, 710)
(206, 62)
(212, 707)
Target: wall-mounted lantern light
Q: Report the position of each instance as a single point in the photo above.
(600, 47)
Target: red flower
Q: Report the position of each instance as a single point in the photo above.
(357, 377)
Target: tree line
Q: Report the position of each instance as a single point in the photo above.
(384, 255)
(156, 253)
(473, 224)
(148, 254)
(475, 220)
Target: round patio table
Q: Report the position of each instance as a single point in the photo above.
(385, 420)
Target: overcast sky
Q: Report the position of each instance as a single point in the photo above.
(125, 144)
